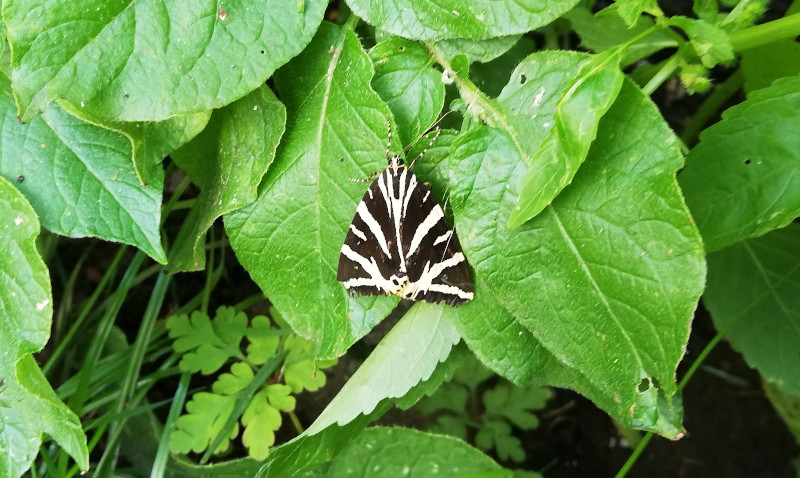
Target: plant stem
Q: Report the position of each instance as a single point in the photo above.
(766, 33)
(162, 454)
(634, 456)
(662, 75)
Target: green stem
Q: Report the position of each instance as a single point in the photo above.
(162, 454)
(662, 75)
(710, 106)
(766, 33)
(635, 455)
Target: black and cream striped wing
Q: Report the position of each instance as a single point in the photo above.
(368, 260)
(437, 269)
(400, 244)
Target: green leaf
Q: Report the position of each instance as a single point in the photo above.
(765, 64)
(145, 61)
(205, 344)
(625, 326)
(787, 405)
(710, 42)
(515, 404)
(605, 30)
(207, 414)
(263, 339)
(407, 355)
(79, 177)
(493, 76)
(705, 9)
(478, 50)
(301, 371)
(234, 382)
(742, 180)
(753, 295)
(337, 131)
(391, 452)
(630, 10)
(151, 140)
(497, 434)
(29, 408)
(406, 80)
(261, 419)
(576, 118)
(227, 162)
(450, 396)
(444, 19)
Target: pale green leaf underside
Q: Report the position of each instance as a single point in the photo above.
(80, 178)
(743, 178)
(443, 19)
(150, 60)
(407, 356)
(28, 406)
(753, 296)
(289, 239)
(606, 279)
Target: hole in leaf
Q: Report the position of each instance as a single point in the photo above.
(401, 48)
(644, 385)
(20, 178)
(747, 161)
(522, 79)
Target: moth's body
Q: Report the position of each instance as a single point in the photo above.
(399, 243)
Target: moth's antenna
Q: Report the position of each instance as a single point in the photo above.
(388, 137)
(438, 132)
(431, 128)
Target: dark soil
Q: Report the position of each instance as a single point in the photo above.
(731, 428)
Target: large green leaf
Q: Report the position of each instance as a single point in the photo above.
(442, 19)
(407, 355)
(606, 278)
(391, 452)
(753, 296)
(406, 80)
(289, 239)
(743, 178)
(80, 177)
(150, 59)
(29, 407)
(227, 162)
(765, 64)
(573, 126)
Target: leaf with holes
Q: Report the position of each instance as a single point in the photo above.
(574, 125)
(145, 61)
(630, 304)
(29, 408)
(337, 131)
(743, 177)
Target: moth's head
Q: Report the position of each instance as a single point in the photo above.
(396, 162)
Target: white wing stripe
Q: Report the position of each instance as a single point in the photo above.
(443, 238)
(435, 215)
(374, 227)
(371, 268)
(358, 233)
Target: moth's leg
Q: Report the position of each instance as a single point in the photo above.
(438, 132)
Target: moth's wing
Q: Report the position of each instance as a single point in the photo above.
(437, 269)
(368, 262)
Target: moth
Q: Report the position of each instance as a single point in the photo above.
(399, 242)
